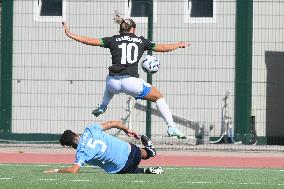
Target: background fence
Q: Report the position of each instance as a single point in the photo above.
(227, 85)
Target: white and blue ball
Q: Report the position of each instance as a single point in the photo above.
(150, 64)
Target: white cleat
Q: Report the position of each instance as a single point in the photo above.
(154, 170)
(173, 131)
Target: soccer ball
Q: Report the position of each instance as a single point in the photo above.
(150, 64)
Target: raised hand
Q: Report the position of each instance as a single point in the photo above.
(66, 28)
(183, 44)
(131, 133)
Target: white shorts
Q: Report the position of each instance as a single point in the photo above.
(135, 87)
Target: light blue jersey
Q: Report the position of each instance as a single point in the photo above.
(101, 149)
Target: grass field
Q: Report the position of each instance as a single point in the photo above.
(13, 176)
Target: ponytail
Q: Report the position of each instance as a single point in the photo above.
(124, 24)
(117, 18)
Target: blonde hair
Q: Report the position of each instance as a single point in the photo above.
(124, 24)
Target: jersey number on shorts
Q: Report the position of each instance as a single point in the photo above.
(92, 144)
(127, 56)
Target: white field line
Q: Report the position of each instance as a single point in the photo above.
(180, 183)
(228, 183)
(80, 180)
(47, 179)
(77, 180)
(165, 168)
(169, 168)
(221, 169)
(5, 178)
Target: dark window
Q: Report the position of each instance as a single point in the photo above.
(201, 8)
(51, 8)
(139, 8)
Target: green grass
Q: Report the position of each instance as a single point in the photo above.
(32, 177)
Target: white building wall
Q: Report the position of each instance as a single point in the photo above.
(57, 81)
(195, 79)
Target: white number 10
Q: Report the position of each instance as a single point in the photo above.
(126, 54)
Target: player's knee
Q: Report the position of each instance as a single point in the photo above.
(154, 95)
(150, 152)
(159, 96)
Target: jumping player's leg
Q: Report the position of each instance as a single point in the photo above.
(138, 88)
(113, 86)
(162, 106)
(155, 96)
(103, 106)
(107, 97)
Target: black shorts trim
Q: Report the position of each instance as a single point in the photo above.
(133, 161)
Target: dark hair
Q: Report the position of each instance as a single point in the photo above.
(124, 24)
(67, 139)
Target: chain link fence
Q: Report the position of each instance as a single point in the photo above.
(55, 82)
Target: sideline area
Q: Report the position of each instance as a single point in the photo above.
(225, 159)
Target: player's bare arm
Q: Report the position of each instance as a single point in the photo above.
(121, 126)
(82, 39)
(170, 47)
(74, 169)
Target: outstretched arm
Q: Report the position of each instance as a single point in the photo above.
(82, 39)
(170, 47)
(118, 124)
(74, 169)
